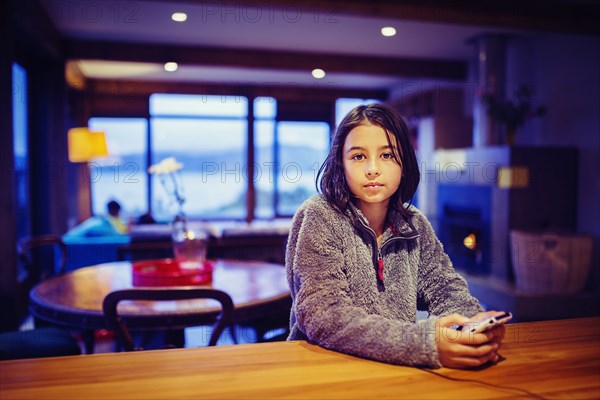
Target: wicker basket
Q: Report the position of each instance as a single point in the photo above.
(550, 262)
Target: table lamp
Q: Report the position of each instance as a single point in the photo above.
(85, 145)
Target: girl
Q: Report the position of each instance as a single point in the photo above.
(361, 260)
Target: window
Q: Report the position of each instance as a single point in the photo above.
(208, 135)
(20, 101)
(122, 176)
(301, 148)
(265, 111)
(344, 105)
(288, 155)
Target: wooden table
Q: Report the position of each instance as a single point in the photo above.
(552, 359)
(74, 300)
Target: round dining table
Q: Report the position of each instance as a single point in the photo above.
(74, 300)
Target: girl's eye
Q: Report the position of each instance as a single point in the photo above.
(358, 157)
(387, 156)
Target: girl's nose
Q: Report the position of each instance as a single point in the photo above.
(372, 169)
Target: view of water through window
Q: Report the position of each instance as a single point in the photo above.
(122, 176)
(214, 173)
(209, 136)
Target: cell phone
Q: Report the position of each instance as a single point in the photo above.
(486, 324)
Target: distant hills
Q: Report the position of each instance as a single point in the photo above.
(305, 156)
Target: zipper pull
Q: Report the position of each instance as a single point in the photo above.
(380, 267)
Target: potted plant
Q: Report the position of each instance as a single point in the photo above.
(512, 114)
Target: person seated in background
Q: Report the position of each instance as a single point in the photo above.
(106, 225)
(146, 219)
(114, 211)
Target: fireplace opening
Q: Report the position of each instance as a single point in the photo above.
(464, 227)
(470, 241)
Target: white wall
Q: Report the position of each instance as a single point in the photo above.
(426, 199)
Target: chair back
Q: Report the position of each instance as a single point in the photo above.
(156, 321)
(37, 270)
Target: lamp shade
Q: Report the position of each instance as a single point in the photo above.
(85, 145)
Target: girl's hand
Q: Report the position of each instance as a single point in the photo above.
(458, 349)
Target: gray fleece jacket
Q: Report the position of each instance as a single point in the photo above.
(345, 300)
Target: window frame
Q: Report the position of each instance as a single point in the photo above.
(301, 115)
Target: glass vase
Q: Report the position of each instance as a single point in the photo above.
(190, 244)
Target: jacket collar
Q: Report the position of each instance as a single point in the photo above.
(398, 226)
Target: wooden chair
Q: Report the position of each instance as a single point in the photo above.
(38, 258)
(39, 270)
(155, 321)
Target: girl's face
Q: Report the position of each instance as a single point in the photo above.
(372, 173)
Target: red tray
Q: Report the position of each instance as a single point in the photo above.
(170, 272)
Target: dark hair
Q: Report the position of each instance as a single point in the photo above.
(113, 208)
(331, 179)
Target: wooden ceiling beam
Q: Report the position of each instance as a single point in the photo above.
(121, 91)
(270, 60)
(34, 31)
(560, 16)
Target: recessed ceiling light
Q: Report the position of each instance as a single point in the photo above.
(388, 31)
(318, 73)
(171, 67)
(179, 17)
